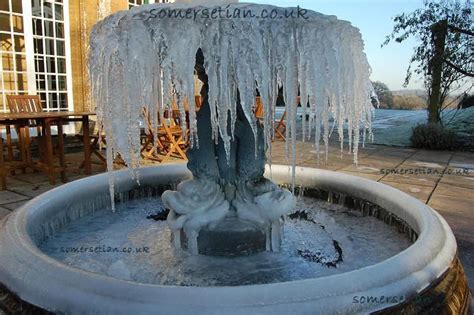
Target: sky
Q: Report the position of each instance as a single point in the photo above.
(374, 19)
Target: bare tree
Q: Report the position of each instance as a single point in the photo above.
(444, 56)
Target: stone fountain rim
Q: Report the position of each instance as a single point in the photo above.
(50, 284)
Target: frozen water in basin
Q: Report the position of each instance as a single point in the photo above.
(126, 245)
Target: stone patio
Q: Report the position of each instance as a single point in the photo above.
(450, 194)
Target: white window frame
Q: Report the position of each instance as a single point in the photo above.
(13, 53)
(30, 53)
(133, 3)
(67, 48)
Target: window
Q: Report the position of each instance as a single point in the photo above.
(34, 48)
(50, 53)
(134, 3)
(13, 65)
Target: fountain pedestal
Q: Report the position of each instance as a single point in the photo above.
(231, 237)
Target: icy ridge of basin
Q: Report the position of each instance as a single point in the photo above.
(52, 285)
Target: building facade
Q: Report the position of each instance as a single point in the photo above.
(44, 48)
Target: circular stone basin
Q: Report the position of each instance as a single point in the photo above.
(37, 280)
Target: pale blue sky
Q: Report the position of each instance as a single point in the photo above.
(374, 19)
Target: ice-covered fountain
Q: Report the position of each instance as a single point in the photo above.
(235, 240)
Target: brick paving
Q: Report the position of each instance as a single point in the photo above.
(450, 194)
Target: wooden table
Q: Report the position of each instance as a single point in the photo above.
(46, 119)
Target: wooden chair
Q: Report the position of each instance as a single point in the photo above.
(24, 104)
(32, 104)
(9, 142)
(151, 144)
(7, 166)
(172, 135)
(97, 141)
(165, 142)
(280, 127)
(3, 168)
(198, 101)
(259, 109)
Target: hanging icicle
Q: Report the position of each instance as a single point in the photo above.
(145, 57)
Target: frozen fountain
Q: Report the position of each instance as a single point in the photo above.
(232, 235)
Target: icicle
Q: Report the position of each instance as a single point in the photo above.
(330, 197)
(192, 242)
(268, 237)
(276, 235)
(342, 200)
(104, 9)
(139, 60)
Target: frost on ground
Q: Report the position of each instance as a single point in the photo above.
(394, 127)
(128, 246)
(138, 59)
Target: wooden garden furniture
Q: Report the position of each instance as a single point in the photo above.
(45, 121)
(280, 127)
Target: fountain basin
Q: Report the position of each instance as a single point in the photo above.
(29, 275)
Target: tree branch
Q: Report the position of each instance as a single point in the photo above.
(449, 63)
(460, 30)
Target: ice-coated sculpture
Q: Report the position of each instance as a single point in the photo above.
(146, 57)
(226, 186)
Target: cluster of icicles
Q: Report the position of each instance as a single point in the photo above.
(139, 59)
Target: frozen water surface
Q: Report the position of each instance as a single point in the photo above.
(127, 245)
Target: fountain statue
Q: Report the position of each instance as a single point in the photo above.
(235, 54)
(235, 240)
(229, 193)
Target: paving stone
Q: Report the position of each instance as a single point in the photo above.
(462, 225)
(421, 193)
(9, 197)
(466, 159)
(455, 191)
(425, 180)
(15, 205)
(411, 163)
(4, 212)
(432, 156)
(371, 167)
(385, 160)
(460, 206)
(368, 150)
(458, 181)
(400, 153)
(34, 178)
(31, 190)
(13, 181)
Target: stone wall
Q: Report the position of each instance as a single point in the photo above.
(83, 14)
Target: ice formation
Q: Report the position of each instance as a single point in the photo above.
(141, 59)
(146, 58)
(196, 203)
